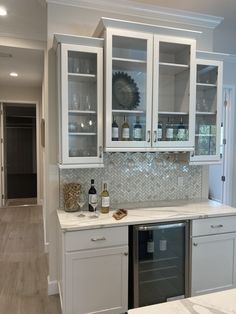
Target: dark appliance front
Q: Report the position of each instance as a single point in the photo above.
(158, 263)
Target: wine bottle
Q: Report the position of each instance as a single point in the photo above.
(115, 130)
(159, 131)
(181, 131)
(169, 131)
(105, 200)
(137, 131)
(125, 130)
(92, 196)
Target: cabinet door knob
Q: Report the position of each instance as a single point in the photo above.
(155, 136)
(100, 151)
(126, 254)
(148, 136)
(98, 239)
(195, 244)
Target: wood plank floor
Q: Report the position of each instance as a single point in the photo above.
(23, 263)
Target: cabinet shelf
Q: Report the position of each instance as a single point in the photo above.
(128, 111)
(205, 135)
(174, 113)
(77, 77)
(82, 133)
(207, 113)
(172, 68)
(128, 64)
(77, 112)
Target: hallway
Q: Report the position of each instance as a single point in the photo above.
(23, 263)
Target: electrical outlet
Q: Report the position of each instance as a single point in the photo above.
(180, 181)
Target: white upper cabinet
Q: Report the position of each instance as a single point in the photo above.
(80, 98)
(150, 91)
(208, 112)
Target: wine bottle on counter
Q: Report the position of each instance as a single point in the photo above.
(125, 130)
(115, 130)
(137, 130)
(181, 131)
(92, 193)
(105, 200)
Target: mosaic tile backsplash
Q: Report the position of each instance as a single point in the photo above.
(137, 177)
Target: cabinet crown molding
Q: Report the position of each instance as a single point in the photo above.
(133, 8)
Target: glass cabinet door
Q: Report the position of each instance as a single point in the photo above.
(208, 112)
(81, 109)
(173, 92)
(129, 79)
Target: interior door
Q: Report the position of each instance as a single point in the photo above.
(217, 173)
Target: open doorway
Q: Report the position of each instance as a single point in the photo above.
(19, 154)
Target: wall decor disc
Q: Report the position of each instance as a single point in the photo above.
(125, 93)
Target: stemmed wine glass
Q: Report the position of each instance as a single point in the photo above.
(81, 202)
(94, 204)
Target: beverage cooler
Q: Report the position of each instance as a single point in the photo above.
(158, 270)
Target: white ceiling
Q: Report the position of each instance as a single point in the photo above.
(27, 19)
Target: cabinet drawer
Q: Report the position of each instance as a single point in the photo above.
(96, 238)
(213, 225)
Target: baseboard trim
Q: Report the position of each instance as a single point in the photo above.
(52, 287)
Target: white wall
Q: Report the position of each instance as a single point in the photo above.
(76, 21)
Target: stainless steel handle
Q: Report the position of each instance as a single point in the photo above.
(100, 151)
(98, 239)
(155, 136)
(148, 136)
(195, 244)
(158, 227)
(216, 226)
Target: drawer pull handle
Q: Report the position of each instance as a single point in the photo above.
(216, 226)
(148, 136)
(98, 239)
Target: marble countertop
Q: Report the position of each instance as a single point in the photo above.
(150, 212)
(223, 302)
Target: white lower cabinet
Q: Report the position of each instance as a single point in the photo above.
(213, 255)
(95, 279)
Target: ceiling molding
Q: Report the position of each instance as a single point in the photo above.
(133, 8)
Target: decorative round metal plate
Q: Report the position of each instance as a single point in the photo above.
(125, 93)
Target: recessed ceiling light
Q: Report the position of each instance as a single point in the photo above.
(3, 11)
(13, 74)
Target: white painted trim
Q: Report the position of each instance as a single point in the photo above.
(52, 287)
(148, 11)
(217, 56)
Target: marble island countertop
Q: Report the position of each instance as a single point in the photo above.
(223, 302)
(146, 213)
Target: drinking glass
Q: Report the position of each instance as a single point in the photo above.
(94, 204)
(81, 202)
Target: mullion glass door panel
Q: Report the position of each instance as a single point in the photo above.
(82, 104)
(129, 90)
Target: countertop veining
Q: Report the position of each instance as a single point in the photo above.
(146, 213)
